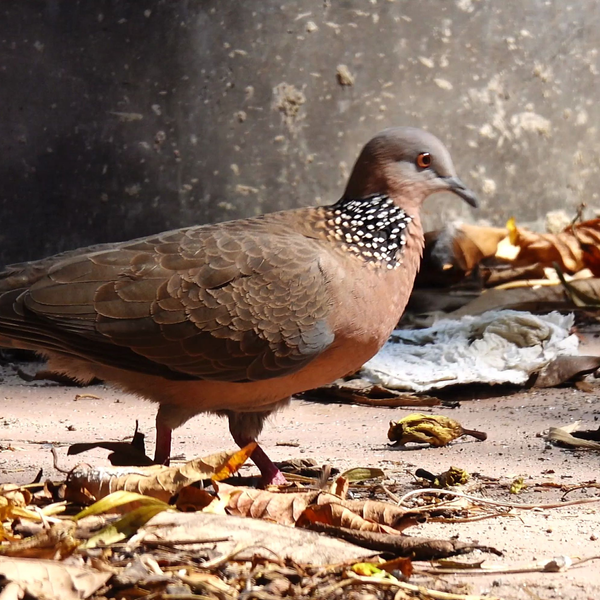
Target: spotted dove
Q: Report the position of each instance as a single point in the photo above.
(233, 318)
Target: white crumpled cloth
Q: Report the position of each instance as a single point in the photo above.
(500, 346)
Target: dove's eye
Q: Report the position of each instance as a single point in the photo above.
(424, 160)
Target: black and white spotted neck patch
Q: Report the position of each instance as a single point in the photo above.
(374, 228)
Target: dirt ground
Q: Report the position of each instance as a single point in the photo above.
(38, 415)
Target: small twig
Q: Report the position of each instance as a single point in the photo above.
(467, 519)
(494, 502)
(169, 543)
(531, 593)
(221, 560)
(578, 215)
(55, 461)
(581, 561)
(388, 493)
(546, 567)
(422, 591)
(583, 486)
(328, 592)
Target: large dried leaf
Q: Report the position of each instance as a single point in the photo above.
(262, 504)
(224, 534)
(156, 481)
(52, 580)
(286, 508)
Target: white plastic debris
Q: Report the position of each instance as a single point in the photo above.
(501, 346)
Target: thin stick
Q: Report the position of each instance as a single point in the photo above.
(436, 595)
(389, 493)
(499, 570)
(494, 502)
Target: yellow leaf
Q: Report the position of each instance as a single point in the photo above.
(124, 527)
(436, 430)
(371, 570)
(116, 499)
(517, 486)
(235, 462)
(511, 225)
(362, 474)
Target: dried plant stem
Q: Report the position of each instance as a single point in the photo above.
(522, 506)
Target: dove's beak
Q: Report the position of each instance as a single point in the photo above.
(456, 186)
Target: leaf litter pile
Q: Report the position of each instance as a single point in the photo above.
(199, 530)
(196, 531)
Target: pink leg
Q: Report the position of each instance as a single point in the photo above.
(162, 452)
(271, 475)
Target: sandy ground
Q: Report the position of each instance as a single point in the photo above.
(36, 416)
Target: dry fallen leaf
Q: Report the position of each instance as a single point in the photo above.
(566, 368)
(126, 526)
(191, 499)
(517, 486)
(436, 430)
(224, 534)
(402, 564)
(208, 583)
(368, 569)
(340, 516)
(119, 502)
(452, 477)
(375, 511)
(472, 243)
(575, 248)
(357, 474)
(562, 436)
(56, 542)
(52, 580)
(156, 481)
(262, 504)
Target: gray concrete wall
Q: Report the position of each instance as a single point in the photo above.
(122, 118)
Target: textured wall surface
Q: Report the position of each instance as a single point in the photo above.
(123, 118)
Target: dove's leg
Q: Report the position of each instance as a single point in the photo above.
(162, 451)
(245, 428)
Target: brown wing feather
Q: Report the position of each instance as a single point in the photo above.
(227, 302)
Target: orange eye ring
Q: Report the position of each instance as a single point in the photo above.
(424, 160)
